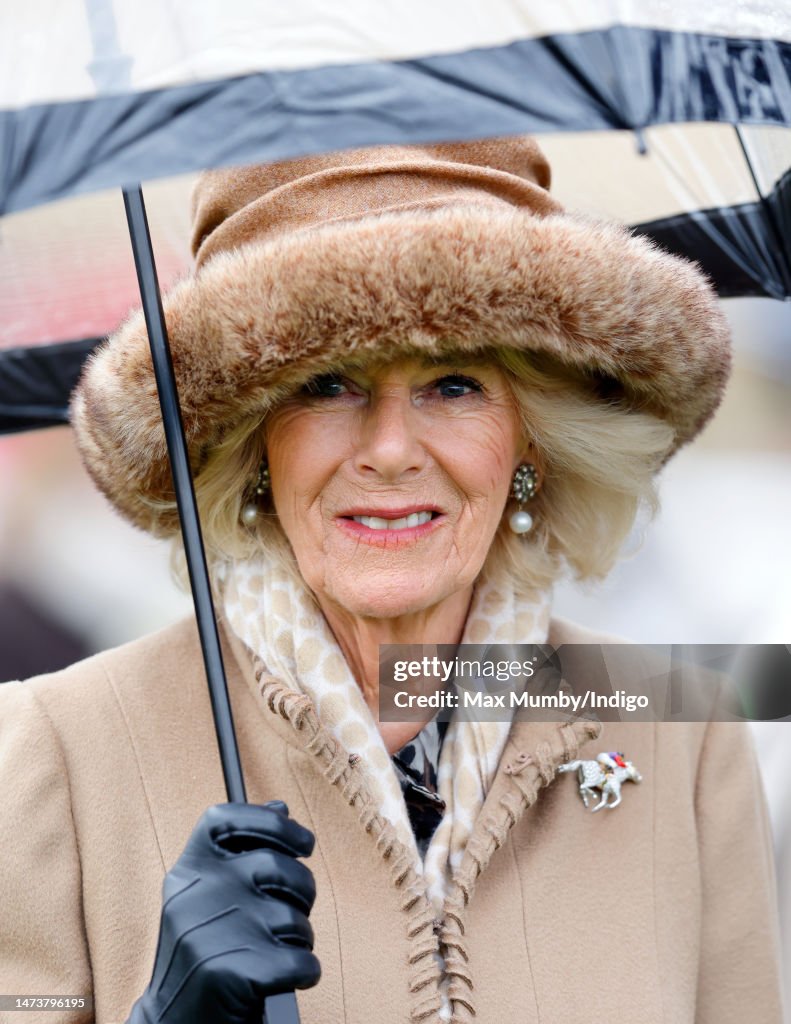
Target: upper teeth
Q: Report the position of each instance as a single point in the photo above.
(376, 523)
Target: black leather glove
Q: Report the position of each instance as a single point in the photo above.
(234, 926)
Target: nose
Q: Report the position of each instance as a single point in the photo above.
(389, 444)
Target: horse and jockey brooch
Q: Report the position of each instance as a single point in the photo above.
(605, 774)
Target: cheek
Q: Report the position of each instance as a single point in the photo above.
(484, 455)
(288, 443)
(303, 451)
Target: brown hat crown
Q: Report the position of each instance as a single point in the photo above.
(238, 206)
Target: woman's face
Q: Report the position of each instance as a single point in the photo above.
(390, 482)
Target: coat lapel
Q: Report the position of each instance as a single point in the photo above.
(530, 760)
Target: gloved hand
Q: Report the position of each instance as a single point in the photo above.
(234, 925)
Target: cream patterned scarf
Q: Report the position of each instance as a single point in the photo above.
(278, 620)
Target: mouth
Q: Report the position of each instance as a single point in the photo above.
(383, 525)
(401, 523)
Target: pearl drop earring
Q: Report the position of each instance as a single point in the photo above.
(523, 489)
(250, 509)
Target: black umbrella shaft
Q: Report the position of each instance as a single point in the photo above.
(280, 1009)
(185, 494)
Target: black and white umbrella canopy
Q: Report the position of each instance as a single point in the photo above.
(675, 119)
(96, 93)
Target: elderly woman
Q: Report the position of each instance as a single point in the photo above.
(415, 392)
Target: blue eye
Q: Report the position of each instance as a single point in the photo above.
(327, 385)
(456, 386)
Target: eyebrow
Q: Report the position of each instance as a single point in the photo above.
(426, 361)
(457, 359)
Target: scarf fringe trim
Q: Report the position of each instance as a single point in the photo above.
(523, 777)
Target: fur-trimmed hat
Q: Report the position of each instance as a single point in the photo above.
(304, 263)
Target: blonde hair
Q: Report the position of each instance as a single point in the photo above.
(599, 460)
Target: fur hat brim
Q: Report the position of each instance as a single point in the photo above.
(264, 317)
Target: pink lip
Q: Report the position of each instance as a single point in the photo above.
(392, 539)
(388, 513)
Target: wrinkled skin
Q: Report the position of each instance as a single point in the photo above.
(404, 434)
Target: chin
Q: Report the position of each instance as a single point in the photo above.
(391, 602)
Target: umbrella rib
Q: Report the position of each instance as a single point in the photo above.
(769, 213)
(428, 67)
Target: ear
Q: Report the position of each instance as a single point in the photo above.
(529, 453)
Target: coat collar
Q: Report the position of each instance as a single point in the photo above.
(530, 760)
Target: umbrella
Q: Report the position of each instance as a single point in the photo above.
(675, 122)
(697, 104)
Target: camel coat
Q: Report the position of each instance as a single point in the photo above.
(661, 911)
